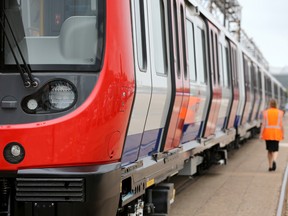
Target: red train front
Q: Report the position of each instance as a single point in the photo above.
(66, 90)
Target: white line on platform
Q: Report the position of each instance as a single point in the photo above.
(282, 194)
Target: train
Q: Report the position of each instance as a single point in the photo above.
(103, 101)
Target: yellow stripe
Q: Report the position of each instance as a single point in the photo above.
(150, 183)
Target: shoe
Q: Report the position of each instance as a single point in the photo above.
(274, 166)
(270, 169)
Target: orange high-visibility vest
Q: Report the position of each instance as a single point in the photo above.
(272, 129)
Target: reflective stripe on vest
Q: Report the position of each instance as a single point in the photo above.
(277, 126)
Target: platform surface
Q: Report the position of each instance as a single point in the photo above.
(243, 187)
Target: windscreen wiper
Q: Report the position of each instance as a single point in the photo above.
(25, 71)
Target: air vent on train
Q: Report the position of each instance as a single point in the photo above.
(50, 189)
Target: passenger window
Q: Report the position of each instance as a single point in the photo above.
(176, 38)
(217, 60)
(225, 64)
(159, 39)
(212, 57)
(269, 86)
(228, 67)
(260, 82)
(254, 80)
(234, 67)
(246, 74)
(275, 90)
(221, 72)
(191, 50)
(200, 55)
(140, 35)
(251, 77)
(184, 43)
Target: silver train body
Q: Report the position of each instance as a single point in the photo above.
(197, 88)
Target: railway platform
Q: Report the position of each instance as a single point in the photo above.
(243, 187)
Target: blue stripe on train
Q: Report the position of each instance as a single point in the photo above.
(190, 132)
(237, 121)
(131, 148)
(149, 144)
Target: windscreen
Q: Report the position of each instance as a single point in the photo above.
(53, 35)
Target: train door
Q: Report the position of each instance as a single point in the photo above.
(279, 95)
(225, 84)
(215, 89)
(242, 93)
(231, 50)
(256, 93)
(268, 90)
(274, 95)
(197, 61)
(260, 92)
(283, 100)
(276, 90)
(252, 90)
(179, 75)
(143, 81)
(247, 106)
(160, 76)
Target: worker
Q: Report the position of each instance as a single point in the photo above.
(272, 132)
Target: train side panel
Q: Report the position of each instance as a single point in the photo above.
(235, 85)
(198, 88)
(216, 93)
(225, 83)
(242, 96)
(161, 78)
(180, 85)
(143, 82)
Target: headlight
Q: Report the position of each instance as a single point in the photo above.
(61, 96)
(32, 104)
(14, 153)
(55, 96)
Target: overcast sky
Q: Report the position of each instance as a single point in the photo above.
(266, 22)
